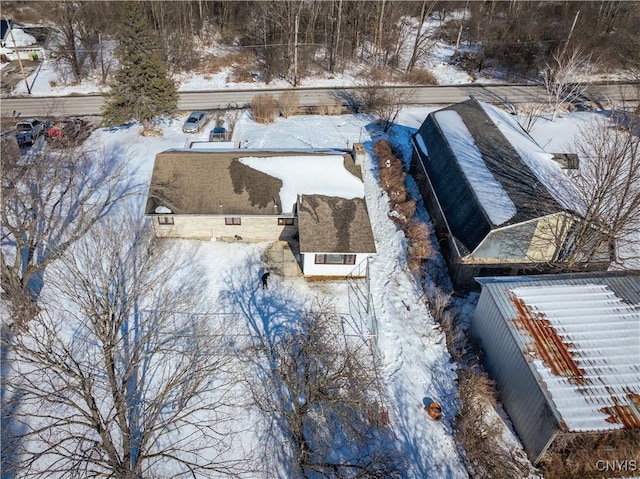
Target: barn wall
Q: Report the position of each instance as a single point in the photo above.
(524, 401)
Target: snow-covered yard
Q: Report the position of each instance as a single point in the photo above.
(414, 362)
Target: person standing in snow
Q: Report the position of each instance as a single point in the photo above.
(264, 281)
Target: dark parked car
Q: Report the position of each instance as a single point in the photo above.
(28, 131)
(195, 122)
(219, 133)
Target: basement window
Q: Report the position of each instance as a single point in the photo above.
(335, 259)
(232, 220)
(165, 220)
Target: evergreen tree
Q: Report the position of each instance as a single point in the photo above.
(142, 90)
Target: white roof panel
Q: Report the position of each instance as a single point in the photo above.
(581, 339)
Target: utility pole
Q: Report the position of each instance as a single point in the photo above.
(573, 26)
(295, 51)
(15, 49)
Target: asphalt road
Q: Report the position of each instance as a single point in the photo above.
(224, 99)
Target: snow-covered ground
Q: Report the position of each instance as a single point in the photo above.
(49, 80)
(414, 361)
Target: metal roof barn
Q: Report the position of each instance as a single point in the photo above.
(564, 351)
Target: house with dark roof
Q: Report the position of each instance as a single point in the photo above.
(499, 203)
(313, 198)
(26, 42)
(564, 351)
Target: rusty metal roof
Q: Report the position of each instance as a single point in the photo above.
(580, 335)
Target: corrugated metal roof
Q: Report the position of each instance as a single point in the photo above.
(580, 335)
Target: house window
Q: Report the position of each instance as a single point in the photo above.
(335, 259)
(233, 220)
(285, 221)
(165, 220)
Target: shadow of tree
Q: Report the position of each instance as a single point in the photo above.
(10, 429)
(269, 315)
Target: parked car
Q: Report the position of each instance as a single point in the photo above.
(195, 122)
(28, 131)
(219, 133)
(65, 130)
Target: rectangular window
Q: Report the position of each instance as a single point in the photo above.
(285, 221)
(165, 220)
(235, 220)
(335, 259)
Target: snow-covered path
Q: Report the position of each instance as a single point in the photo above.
(415, 362)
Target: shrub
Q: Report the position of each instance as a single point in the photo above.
(392, 181)
(383, 151)
(242, 74)
(480, 433)
(289, 103)
(405, 210)
(420, 246)
(263, 108)
(419, 76)
(329, 106)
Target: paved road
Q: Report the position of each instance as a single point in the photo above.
(206, 100)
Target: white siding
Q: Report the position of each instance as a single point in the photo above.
(311, 269)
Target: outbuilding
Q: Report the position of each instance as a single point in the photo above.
(564, 351)
(499, 203)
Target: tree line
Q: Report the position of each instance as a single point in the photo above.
(289, 39)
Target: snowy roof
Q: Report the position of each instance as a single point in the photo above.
(510, 176)
(307, 175)
(546, 169)
(489, 191)
(248, 182)
(334, 225)
(487, 173)
(17, 37)
(580, 335)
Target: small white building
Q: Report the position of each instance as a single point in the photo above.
(314, 198)
(335, 235)
(564, 351)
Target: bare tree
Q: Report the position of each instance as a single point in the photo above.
(423, 36)
(66, 48)
(608, 182)
(122, 375)
(383, 102)
(49, 200)
(560, 76)
(317, 386)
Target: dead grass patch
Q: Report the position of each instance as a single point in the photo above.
(264, 108)
(329, 106)
(480, 435)
(419, 76)
(214, 64)
(578, 456)
(289, 103)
